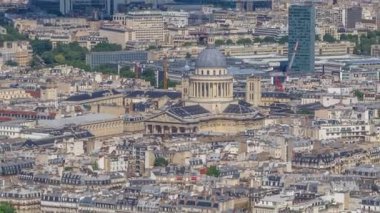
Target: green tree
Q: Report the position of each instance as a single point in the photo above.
(12, 34)
(48, 57)
(70, 54)
(329, 38)
(110, 69)
(152, 47)
(11, 63)
(60, 59)
(244, 41)
(229, 42)
(371, 34)
(257, 40)
(305, 112)
(6, 208)
(343, 37)
(95, 166)
(160, 161)
(172, 83)
(219, 42)
(268, 39)
(351, 37)
(106, 47)
(68, 168)
(126, 72)
(359, 94)
(213, 171)
(35, 62)
(317, 38)
(186, 44)
(283, 40)
(41, 46)
(149, 75)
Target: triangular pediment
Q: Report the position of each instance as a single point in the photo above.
(165, 118)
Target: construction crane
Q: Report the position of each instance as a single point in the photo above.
(277, 82)
(292, 58)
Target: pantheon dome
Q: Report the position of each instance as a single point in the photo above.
(211, 57)
(207, 103)
(210, 84)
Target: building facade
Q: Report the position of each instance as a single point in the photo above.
(301, 27)
(253, 94)
(95, 59)
(354, 15)
(148, 25)
(208, 103)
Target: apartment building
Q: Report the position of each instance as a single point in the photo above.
(147, 25)
(321, 49)
(55, 38)
(327, 49)
(13, 93)
(118, 34)
(17, 51)
(333, 129)
(375, 50)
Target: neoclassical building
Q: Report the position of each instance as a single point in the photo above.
(207, 102)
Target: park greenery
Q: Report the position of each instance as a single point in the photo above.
(6, 208)
(160, 161)
(70, 54)
(41, 46)
(11, 63)
(95, 166)
(213, 171)
(329, 38)
(248, 41)
(111, 69)
(359, 94)
(106, 47)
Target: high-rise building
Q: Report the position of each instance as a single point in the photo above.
(353, 15)
(253, 5)
(65, 6)
(148, 25)
(378, 19)
(301, 27)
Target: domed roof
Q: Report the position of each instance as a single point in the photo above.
(211, 58)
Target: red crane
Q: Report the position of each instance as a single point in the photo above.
(277, 82)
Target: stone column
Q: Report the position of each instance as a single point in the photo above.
(198, 89)
(228, 89)
(203, 89)
(207, 90)
(231, 89)
(192, 90)
(216, 90)
(211, 91)
(224, 89)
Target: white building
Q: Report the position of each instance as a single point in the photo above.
(333, 129)
(13, 129)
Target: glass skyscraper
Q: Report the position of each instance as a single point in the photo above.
(301, 26)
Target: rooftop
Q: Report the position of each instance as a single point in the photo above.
(79, 120)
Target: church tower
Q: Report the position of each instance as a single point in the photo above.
(253, 91)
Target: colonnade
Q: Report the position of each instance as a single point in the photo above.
(211, 90)
(172, 129)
